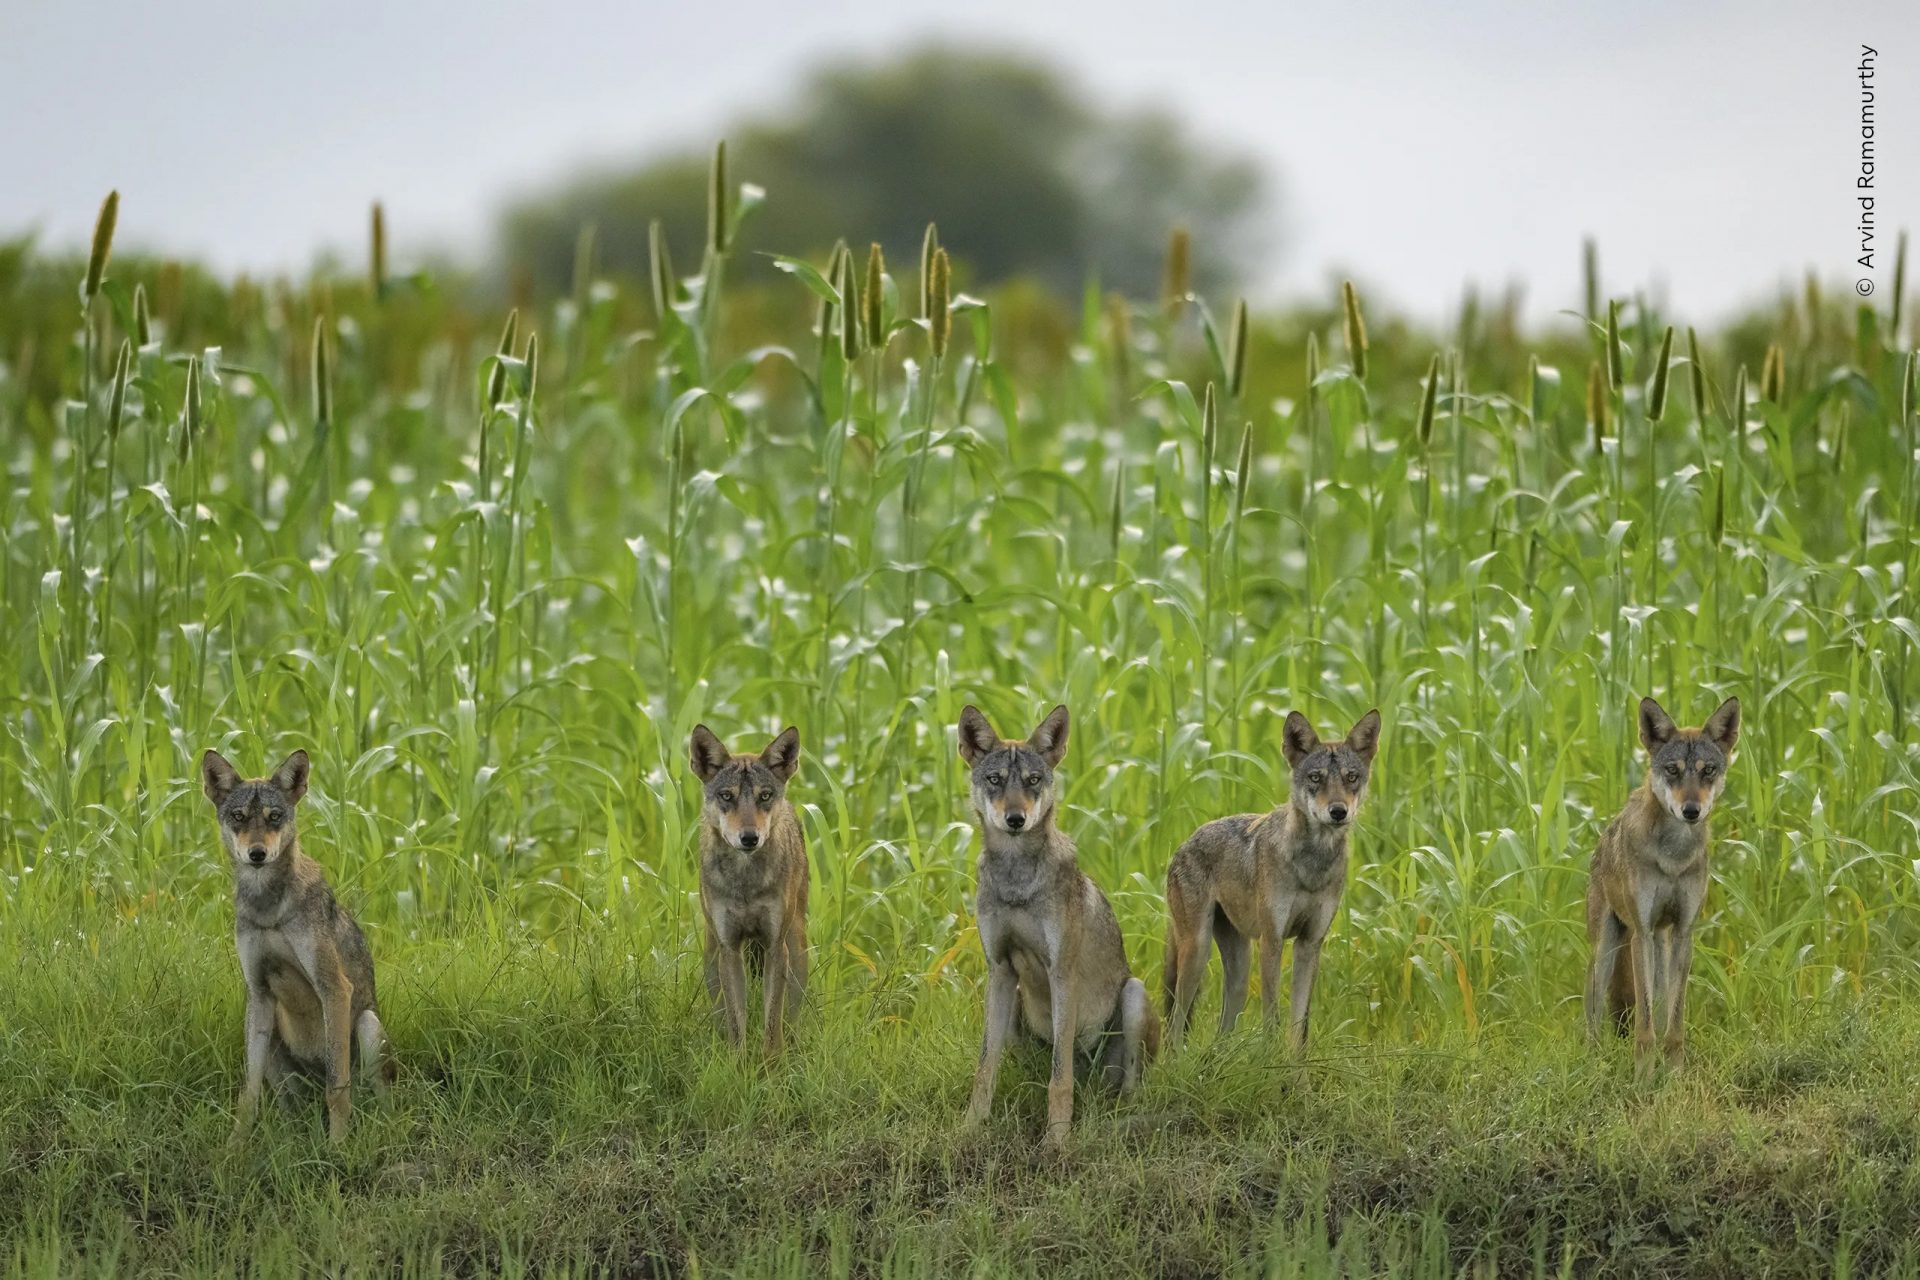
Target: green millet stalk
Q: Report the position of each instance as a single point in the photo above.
(1739, 412)
(940, 317)
(322, 374)
(1237, 351)
(379, 251)
(1773, 375)
(718, 199)
(873, 298)
(1179, 270)
(1719, 504)
(117, 399)
(1209, 432)
(102, 247)
(1429, 401)
(1590, 276)
(1313, 373)
(660, 270)
(849, 310)
(1356, 330)
(1242, 469)
(190, 412)
(497, 380)
(1899, 285)
(1598, 402)
(1120, 335)
(142, 318)
(828, 322)
(1696, 376)
(1616, 358)
(1657, 397)
(929, 245)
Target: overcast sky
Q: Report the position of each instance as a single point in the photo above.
(1710, 146)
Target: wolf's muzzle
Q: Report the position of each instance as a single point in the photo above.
(257, 854)
(749, 839)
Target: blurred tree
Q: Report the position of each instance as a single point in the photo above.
(1024, 176)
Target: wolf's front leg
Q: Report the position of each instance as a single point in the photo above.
(1060, 1084)
(1679, 966)
(1003, 1006)
(776, 991)
(1306, 965)
(733, 990)
(1643, 944)
(259, 1036)
(336, 1012)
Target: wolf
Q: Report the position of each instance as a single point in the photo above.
(1055, 959)
(311, 1007)
(753, 881)
(1648, 881)
(1268, 877)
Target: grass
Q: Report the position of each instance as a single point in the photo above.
(491, 593)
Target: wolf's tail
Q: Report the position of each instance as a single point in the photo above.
(1169, 979)
(1620, 993)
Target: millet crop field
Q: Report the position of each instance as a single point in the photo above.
(490, 569)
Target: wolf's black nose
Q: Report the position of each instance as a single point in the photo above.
(1338, 812)
(1691, 812)
(748, 839)
(1015, 821)
(257, 854)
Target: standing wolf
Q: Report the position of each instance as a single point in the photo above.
(1267, 877)
(1649, 879)
(310, 1000)
(753, 881)
(1055, 957)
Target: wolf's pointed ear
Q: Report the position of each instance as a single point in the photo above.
(709, 754)
(1723, 726)
(1656, 726)
(783, 753)
(1050, 739)
(217, 777)
(1365, 737)
(977, 737)
(1297, 739)
(291, 776)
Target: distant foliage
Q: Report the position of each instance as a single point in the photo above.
(1013, 161)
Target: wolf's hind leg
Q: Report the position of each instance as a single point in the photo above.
(370, 1046)
(1236, 967)
(285, 1079)
(796, 968)
(1125, 1049)
(1189, 937)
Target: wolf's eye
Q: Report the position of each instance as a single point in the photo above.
(1706, 771)
(1353, 777)
(1673, 771)
(994, 779)
(1034, 779)
(725, 797)
(273, 817)
(1316, 777)
(766, 795)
